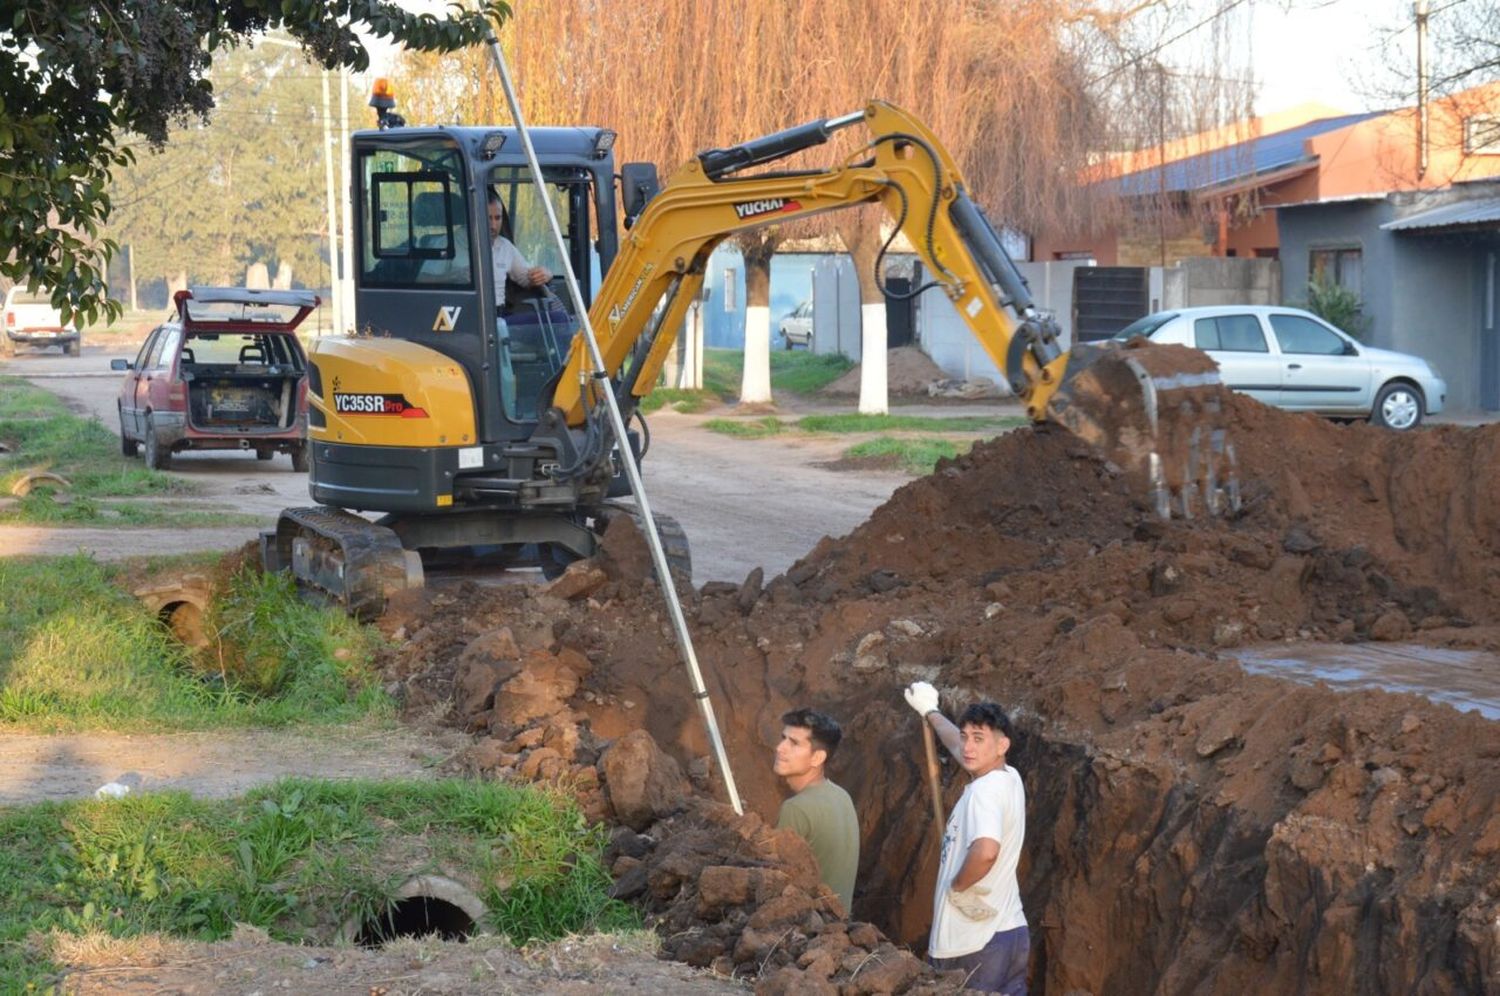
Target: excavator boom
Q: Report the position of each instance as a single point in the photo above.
(1153, 409)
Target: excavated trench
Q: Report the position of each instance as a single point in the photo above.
(1192, 827)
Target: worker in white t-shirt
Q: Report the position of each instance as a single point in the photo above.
(507, 259)
(977, 921)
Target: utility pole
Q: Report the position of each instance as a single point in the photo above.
(1161, 160)
(336, 302)
(1420, 10)
(346, 190)
(130, 275)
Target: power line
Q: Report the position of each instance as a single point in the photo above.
(1141, 57)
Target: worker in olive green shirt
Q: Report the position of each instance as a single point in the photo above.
(820, 811)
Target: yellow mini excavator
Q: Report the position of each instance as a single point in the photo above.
(465, 410)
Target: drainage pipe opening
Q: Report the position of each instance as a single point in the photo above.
(421, 906)
(419, 916)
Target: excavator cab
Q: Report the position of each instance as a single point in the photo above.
(434, 412)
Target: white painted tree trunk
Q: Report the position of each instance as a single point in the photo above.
(755, 387)
(689, 351)
(873, 394)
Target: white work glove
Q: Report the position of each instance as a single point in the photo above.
(922, 697)
(970, 903)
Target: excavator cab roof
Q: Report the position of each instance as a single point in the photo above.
(587, 147)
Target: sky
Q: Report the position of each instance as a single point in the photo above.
(1328, 51)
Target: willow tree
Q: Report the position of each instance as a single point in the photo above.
(1013, 89)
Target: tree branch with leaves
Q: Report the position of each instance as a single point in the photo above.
(77, 79)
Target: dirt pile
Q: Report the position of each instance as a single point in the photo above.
(1191, 828)
(910, 373)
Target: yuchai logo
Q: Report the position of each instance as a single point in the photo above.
(771, 205)
(375, 404)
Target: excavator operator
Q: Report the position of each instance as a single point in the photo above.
(508, 261)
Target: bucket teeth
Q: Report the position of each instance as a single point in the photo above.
(1159, 411)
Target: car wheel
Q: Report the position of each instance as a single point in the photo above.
(301, 458)
(157, 457)
(1398, 406)
(129, 447)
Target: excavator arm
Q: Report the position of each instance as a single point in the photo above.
(1156, 409)
(903, 167)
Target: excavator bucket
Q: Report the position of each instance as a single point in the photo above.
(1158, 411)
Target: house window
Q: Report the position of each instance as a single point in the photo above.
(1482, 135)
(1337, 266)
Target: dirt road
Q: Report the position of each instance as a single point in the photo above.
(216, 765)
(743, 503)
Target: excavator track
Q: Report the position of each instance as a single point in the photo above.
(674, 539)
(342, 558)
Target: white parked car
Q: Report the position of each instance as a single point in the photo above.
(30, 320)
(797, 326)
(1293, 359)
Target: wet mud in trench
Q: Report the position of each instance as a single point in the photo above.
(1191, 827)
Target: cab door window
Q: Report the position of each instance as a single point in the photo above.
(1305, 337)
(1231, 334)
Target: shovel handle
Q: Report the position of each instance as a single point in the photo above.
(929, 743)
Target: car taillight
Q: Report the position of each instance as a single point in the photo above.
(177, 392)
(10, 318)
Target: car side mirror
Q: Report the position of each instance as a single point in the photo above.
(121, 365)
(638, 184)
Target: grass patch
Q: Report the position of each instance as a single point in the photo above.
(677, 399)
(800, 372)
(44, 436)
(915, 456)
(912, 423)
(723, 372)
(78, 652)
(796, 372)
(761, 428)
(754, 428)
(295, 859)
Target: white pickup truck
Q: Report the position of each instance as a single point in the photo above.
(31, 320)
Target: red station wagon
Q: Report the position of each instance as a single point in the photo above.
(226, 373)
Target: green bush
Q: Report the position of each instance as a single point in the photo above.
(1338, 306)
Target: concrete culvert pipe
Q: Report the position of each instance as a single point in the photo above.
(185, 620)
(180, 603)
(423, 905)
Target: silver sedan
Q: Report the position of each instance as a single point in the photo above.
(1293, 359)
